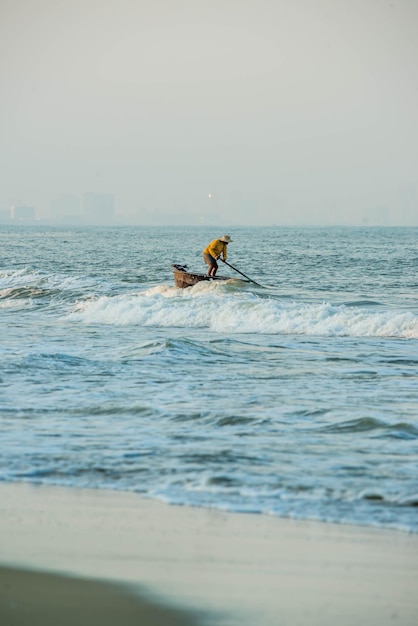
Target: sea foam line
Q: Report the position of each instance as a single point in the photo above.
(243, 312)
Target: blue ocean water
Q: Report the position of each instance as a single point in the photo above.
(297, 400)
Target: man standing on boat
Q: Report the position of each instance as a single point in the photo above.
(213, 251)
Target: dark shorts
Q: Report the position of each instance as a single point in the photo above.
(209, 260)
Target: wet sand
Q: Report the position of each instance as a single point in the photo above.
(28, 597)
(81, 554)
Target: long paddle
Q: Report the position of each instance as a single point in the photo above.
(247, 277)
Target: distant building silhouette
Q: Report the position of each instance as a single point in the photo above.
(5, 216)
(22, 213)
(66, 208)
(98, 208)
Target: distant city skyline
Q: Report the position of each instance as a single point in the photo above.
(69, 208)
(95, 207)
(247, 112)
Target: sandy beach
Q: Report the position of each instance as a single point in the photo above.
(101, 557)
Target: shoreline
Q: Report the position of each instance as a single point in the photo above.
(210, 567)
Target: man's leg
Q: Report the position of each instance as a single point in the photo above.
(213, 266)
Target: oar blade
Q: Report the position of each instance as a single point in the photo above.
(242, 274)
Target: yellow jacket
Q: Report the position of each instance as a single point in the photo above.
(216, 248)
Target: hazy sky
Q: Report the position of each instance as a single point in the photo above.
(286, 111)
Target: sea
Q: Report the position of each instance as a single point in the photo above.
(297, 397)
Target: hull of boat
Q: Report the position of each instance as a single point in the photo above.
(183, 278)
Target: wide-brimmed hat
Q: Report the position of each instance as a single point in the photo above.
(226, 239)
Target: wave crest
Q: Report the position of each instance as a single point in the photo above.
(236, 311)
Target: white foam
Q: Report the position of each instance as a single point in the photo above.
(215, 307)
(25, 277)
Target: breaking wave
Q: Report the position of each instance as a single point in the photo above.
(224, 308)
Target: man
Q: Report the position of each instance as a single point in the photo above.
(213, 251)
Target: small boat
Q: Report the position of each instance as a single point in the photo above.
(183, 278)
